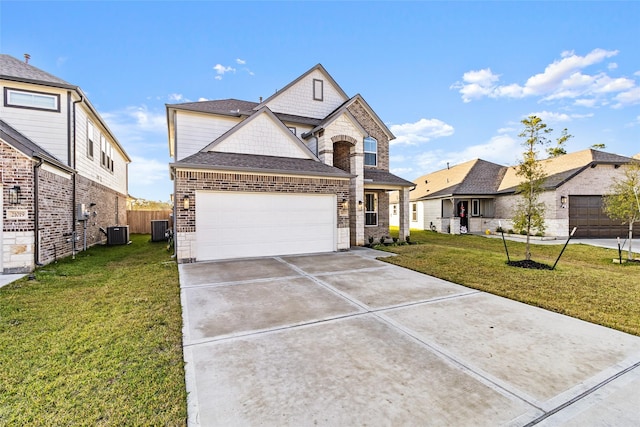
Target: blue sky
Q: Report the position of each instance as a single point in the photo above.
(451, 79)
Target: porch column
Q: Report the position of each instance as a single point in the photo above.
(357, 199)
(403, 201)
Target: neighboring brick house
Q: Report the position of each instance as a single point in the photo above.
(306, 170)
(485, 192)
(56, 154)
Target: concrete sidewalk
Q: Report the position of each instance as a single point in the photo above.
(345, 339)
(602, 243)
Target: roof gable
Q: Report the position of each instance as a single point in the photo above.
(432, 183)
(261, 134)
(314, 94)
(344, 108)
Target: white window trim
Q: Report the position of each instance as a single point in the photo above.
(475, 207)
(8, 102)
(318, 90)
(414, 212)
(91, 143)
(375, 211)
(375, 153)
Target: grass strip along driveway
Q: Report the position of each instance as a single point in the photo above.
(94, 341)
(586, 284)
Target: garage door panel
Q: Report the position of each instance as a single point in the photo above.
(239, 225)
(586, 213)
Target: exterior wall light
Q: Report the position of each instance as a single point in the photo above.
(185, 202)
(360, 204)
(563, 202)
(14, 195)
(345, 204)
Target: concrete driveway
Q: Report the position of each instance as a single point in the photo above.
(344, 339)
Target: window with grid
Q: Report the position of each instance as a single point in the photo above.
(370, 151)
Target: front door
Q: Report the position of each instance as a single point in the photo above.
(463, 213)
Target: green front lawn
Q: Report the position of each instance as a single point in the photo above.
(585, 284)
(94, 341)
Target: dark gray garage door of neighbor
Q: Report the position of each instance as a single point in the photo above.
(585, 212)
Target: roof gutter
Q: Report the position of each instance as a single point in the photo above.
(183, 166)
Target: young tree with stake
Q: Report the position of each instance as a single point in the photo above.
(529, 215)
(623, 203)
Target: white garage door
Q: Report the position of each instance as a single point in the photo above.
(240, 225)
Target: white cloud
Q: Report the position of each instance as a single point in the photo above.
(630, 97)
(240, 61)
(551, 117)
(202, 99)
(221, 70)
(562, 79)
(501, 149)
(147, 172)
(476, 84)
(585, 102)
(143, 134)
(556, 73)
(401, 171)
(61, 60)
(176, 97)
(421, 131)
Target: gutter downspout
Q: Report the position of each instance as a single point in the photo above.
(172, 172)
(36, 215)
(72, 154)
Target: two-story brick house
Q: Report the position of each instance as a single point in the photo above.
(57, 156)
(306, 170)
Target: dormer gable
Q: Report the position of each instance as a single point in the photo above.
(314, 94)
(261, 134)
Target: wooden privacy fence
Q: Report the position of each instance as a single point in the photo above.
(140, 221)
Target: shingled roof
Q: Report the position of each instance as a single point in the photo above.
(479, 177)
(261, 164)
(236, 108)
(562, 168)
(380, 177)
(16, 70)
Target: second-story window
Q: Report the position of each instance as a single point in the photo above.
(90, 139)
(370, 151)
(106, 154)
(31, 99)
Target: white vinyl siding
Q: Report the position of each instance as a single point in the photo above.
(195, 131)
(90, 167)
(32, 99)
(48, 130)
(298, 99)
(264, 224)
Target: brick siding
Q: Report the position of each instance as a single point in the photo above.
(188, 182)
(55, 212)
(370, 125)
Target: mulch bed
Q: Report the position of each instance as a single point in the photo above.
(529, 264)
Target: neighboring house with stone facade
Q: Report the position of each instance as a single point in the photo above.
(56, 155)
(306, 170)
(480, 195)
